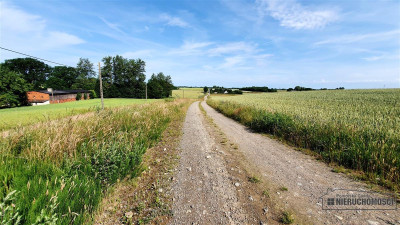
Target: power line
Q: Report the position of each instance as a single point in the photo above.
(34, 57)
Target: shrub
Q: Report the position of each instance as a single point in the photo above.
(92, 94)
(78, 96)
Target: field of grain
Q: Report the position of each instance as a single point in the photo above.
(357, 129)
(22, 116)
(57, 174)
(188, 93)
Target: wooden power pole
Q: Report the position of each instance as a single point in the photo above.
(146, 91)
(101, 88)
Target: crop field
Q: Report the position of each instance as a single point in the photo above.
(57, 174)
(188, 93)
(358, 129)
(22, 116)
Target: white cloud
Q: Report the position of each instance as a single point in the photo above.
(191, 48)
(138, 54)
(195, 45)
(234, 47)
(230, 62)
(293, 15)
(113, 26)
(56, 38)
(174, 21)
(27, 32)
(15, 20)
(375, 37)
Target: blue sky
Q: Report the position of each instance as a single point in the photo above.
(277, 43)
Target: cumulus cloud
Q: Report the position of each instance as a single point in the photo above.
(174, 21)
(294, 15)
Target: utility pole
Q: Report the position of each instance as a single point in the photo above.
(146, 91)
(101, 88)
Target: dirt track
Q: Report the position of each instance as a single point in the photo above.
(205, 194)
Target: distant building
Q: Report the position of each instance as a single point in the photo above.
(45, 97)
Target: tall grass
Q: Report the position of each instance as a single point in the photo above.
(357, 129)
(58, 171)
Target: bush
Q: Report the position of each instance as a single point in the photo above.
(92, 94)
(85, 96)
(78, 96)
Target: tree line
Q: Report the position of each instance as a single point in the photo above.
(259, 89)
(121, 78)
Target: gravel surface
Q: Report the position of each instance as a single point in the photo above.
(202, 187)
(305, 178)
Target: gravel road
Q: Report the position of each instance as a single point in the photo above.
(305, 178)
(203, 191)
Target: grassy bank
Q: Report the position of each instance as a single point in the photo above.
(22, 116)
(59, 173)
(357, 129)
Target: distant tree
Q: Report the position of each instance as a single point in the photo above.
(61, 77)
(13, 88)
(85, 75)
(34, 71)
(259, 89)
(123, 77)
(299, 88)
(78, 96)
(160, 86)
(205, 89)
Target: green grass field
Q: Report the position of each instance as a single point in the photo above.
(22, 116)
(57, 172)
(188, 92)
(358, 129)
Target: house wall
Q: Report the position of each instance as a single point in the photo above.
(64, 98)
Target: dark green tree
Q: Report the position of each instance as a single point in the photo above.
(78, 96)
(86, 76)
(62, 78)
(160, 86)
(205, 89)
(123, 77)
(13, 88)
(34, 71)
